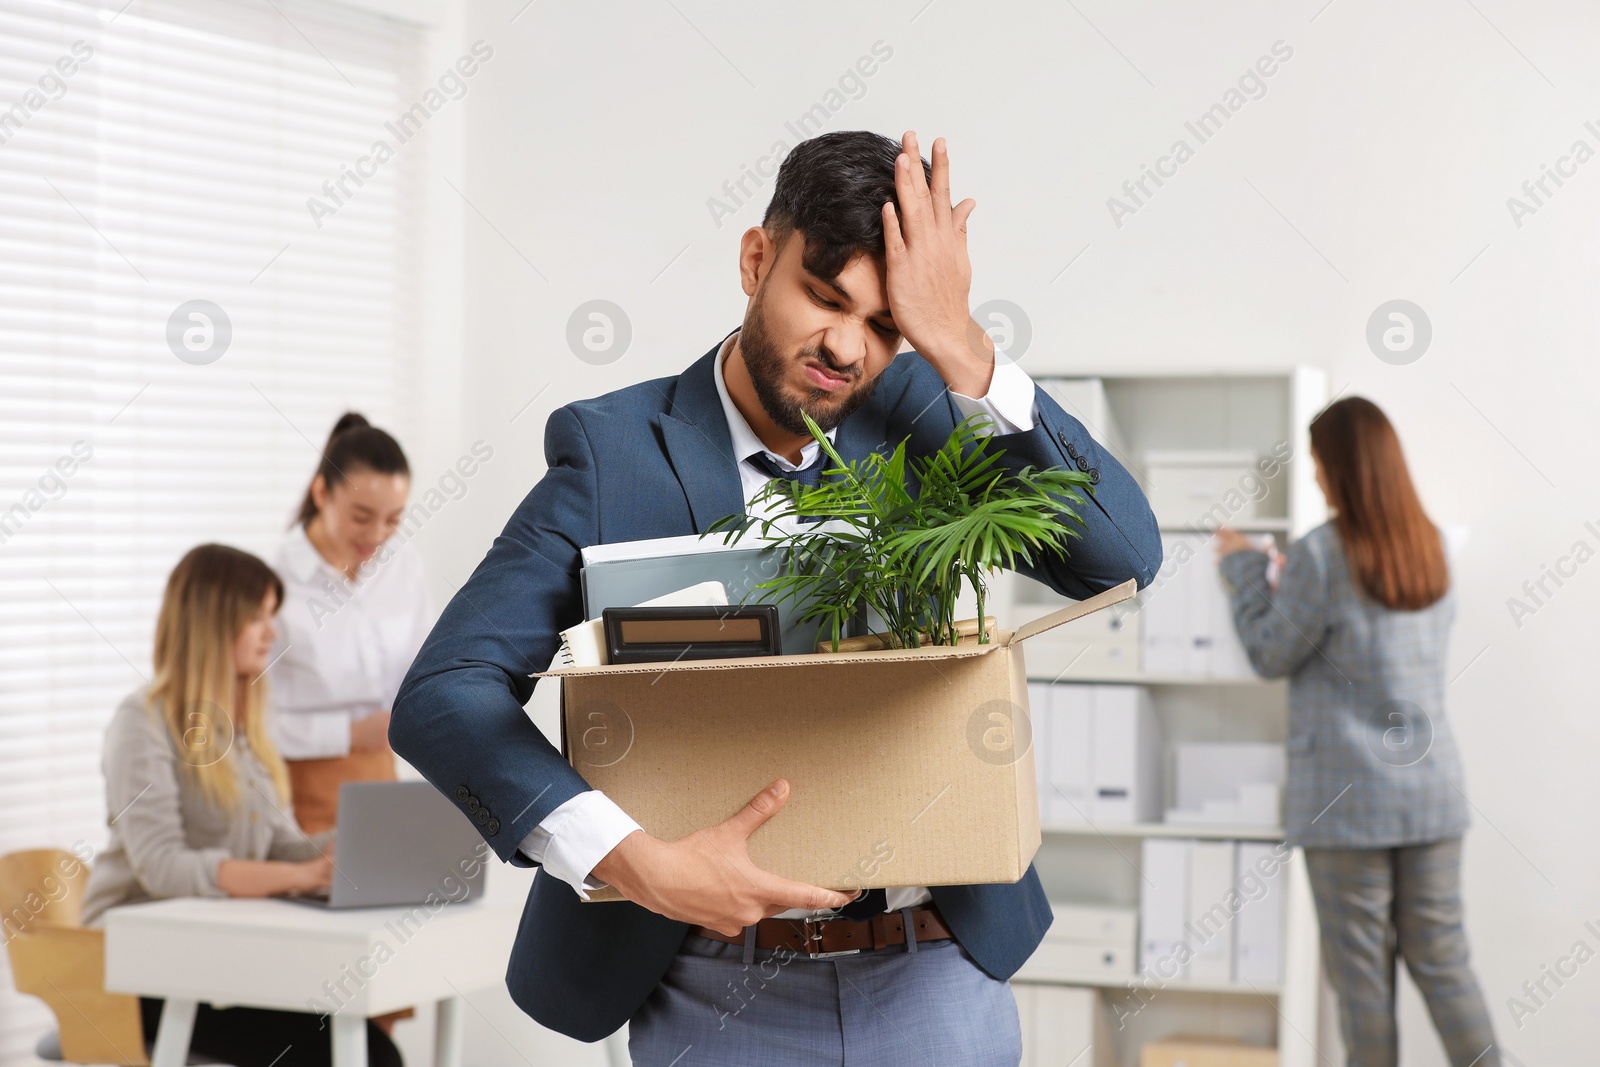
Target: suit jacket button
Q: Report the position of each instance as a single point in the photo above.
(1072, 450)
(493, 826)
(1094, 475)
(472, 803)
(1083, 463)
(462, 794)
(483, 816)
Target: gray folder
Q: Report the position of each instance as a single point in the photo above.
(626, 582)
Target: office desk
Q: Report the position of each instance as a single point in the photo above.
(349, 964)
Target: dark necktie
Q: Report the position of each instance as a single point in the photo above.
(876, 901)
(811, 475)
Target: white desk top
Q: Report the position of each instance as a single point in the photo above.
(279, 954)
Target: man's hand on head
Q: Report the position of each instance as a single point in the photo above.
(929, 274)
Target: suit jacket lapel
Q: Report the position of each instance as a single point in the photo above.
(699, 446)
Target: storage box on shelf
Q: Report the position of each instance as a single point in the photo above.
(1218, 783)
(1183, 485)
(1186, 1051)
(1087, 944)
(1220, 449)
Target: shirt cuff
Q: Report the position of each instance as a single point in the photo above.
(577, 835)
(1009, 401)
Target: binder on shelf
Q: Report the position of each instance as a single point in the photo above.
(1258, 937)
(1071, 754)
(1060, 1023)
(1211, 920)
(1163, 908)
(1040, 720)
(1187, 621)
(1164, 617)
(1127, 757)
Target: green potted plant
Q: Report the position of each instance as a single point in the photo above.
(903, 551)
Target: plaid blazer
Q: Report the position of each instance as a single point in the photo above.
(1372, 760)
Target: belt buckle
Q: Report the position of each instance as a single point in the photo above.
(811, 939)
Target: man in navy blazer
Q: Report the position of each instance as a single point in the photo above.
(860, 251)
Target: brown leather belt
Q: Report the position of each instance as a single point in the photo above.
(839, 937)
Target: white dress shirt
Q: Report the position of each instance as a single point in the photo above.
(580, 832)
(343, 648)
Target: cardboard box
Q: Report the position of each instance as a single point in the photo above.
(1183, 487)
(906, 766)
(1205, 1052)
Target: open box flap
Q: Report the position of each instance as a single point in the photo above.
(1115, 595)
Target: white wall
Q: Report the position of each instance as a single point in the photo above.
(1376, 166)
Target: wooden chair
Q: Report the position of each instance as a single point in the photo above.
(62, 962)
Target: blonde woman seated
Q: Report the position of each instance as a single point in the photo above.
(198, 798)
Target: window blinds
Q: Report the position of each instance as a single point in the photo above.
(179, 328)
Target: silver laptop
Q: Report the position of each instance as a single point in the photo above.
(401, 843)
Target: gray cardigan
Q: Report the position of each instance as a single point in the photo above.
(167, 838)
(1372, 760)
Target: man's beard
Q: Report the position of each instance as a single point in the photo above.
(768, 368)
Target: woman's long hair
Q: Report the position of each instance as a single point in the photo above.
(353, 444)
(1394, 550)
(211, 594)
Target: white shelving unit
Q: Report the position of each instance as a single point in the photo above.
(1197, 831)
(1133, 414)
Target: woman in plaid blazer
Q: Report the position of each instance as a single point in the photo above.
(1360, 623)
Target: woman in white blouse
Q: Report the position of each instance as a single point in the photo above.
(355, 613)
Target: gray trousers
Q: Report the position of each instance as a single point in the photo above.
(1376, 904)
(921, 1005)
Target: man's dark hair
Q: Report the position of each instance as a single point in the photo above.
(831, 188)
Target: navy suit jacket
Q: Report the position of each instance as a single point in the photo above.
(655, 460)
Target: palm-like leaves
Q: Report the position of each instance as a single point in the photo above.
(906, 555)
